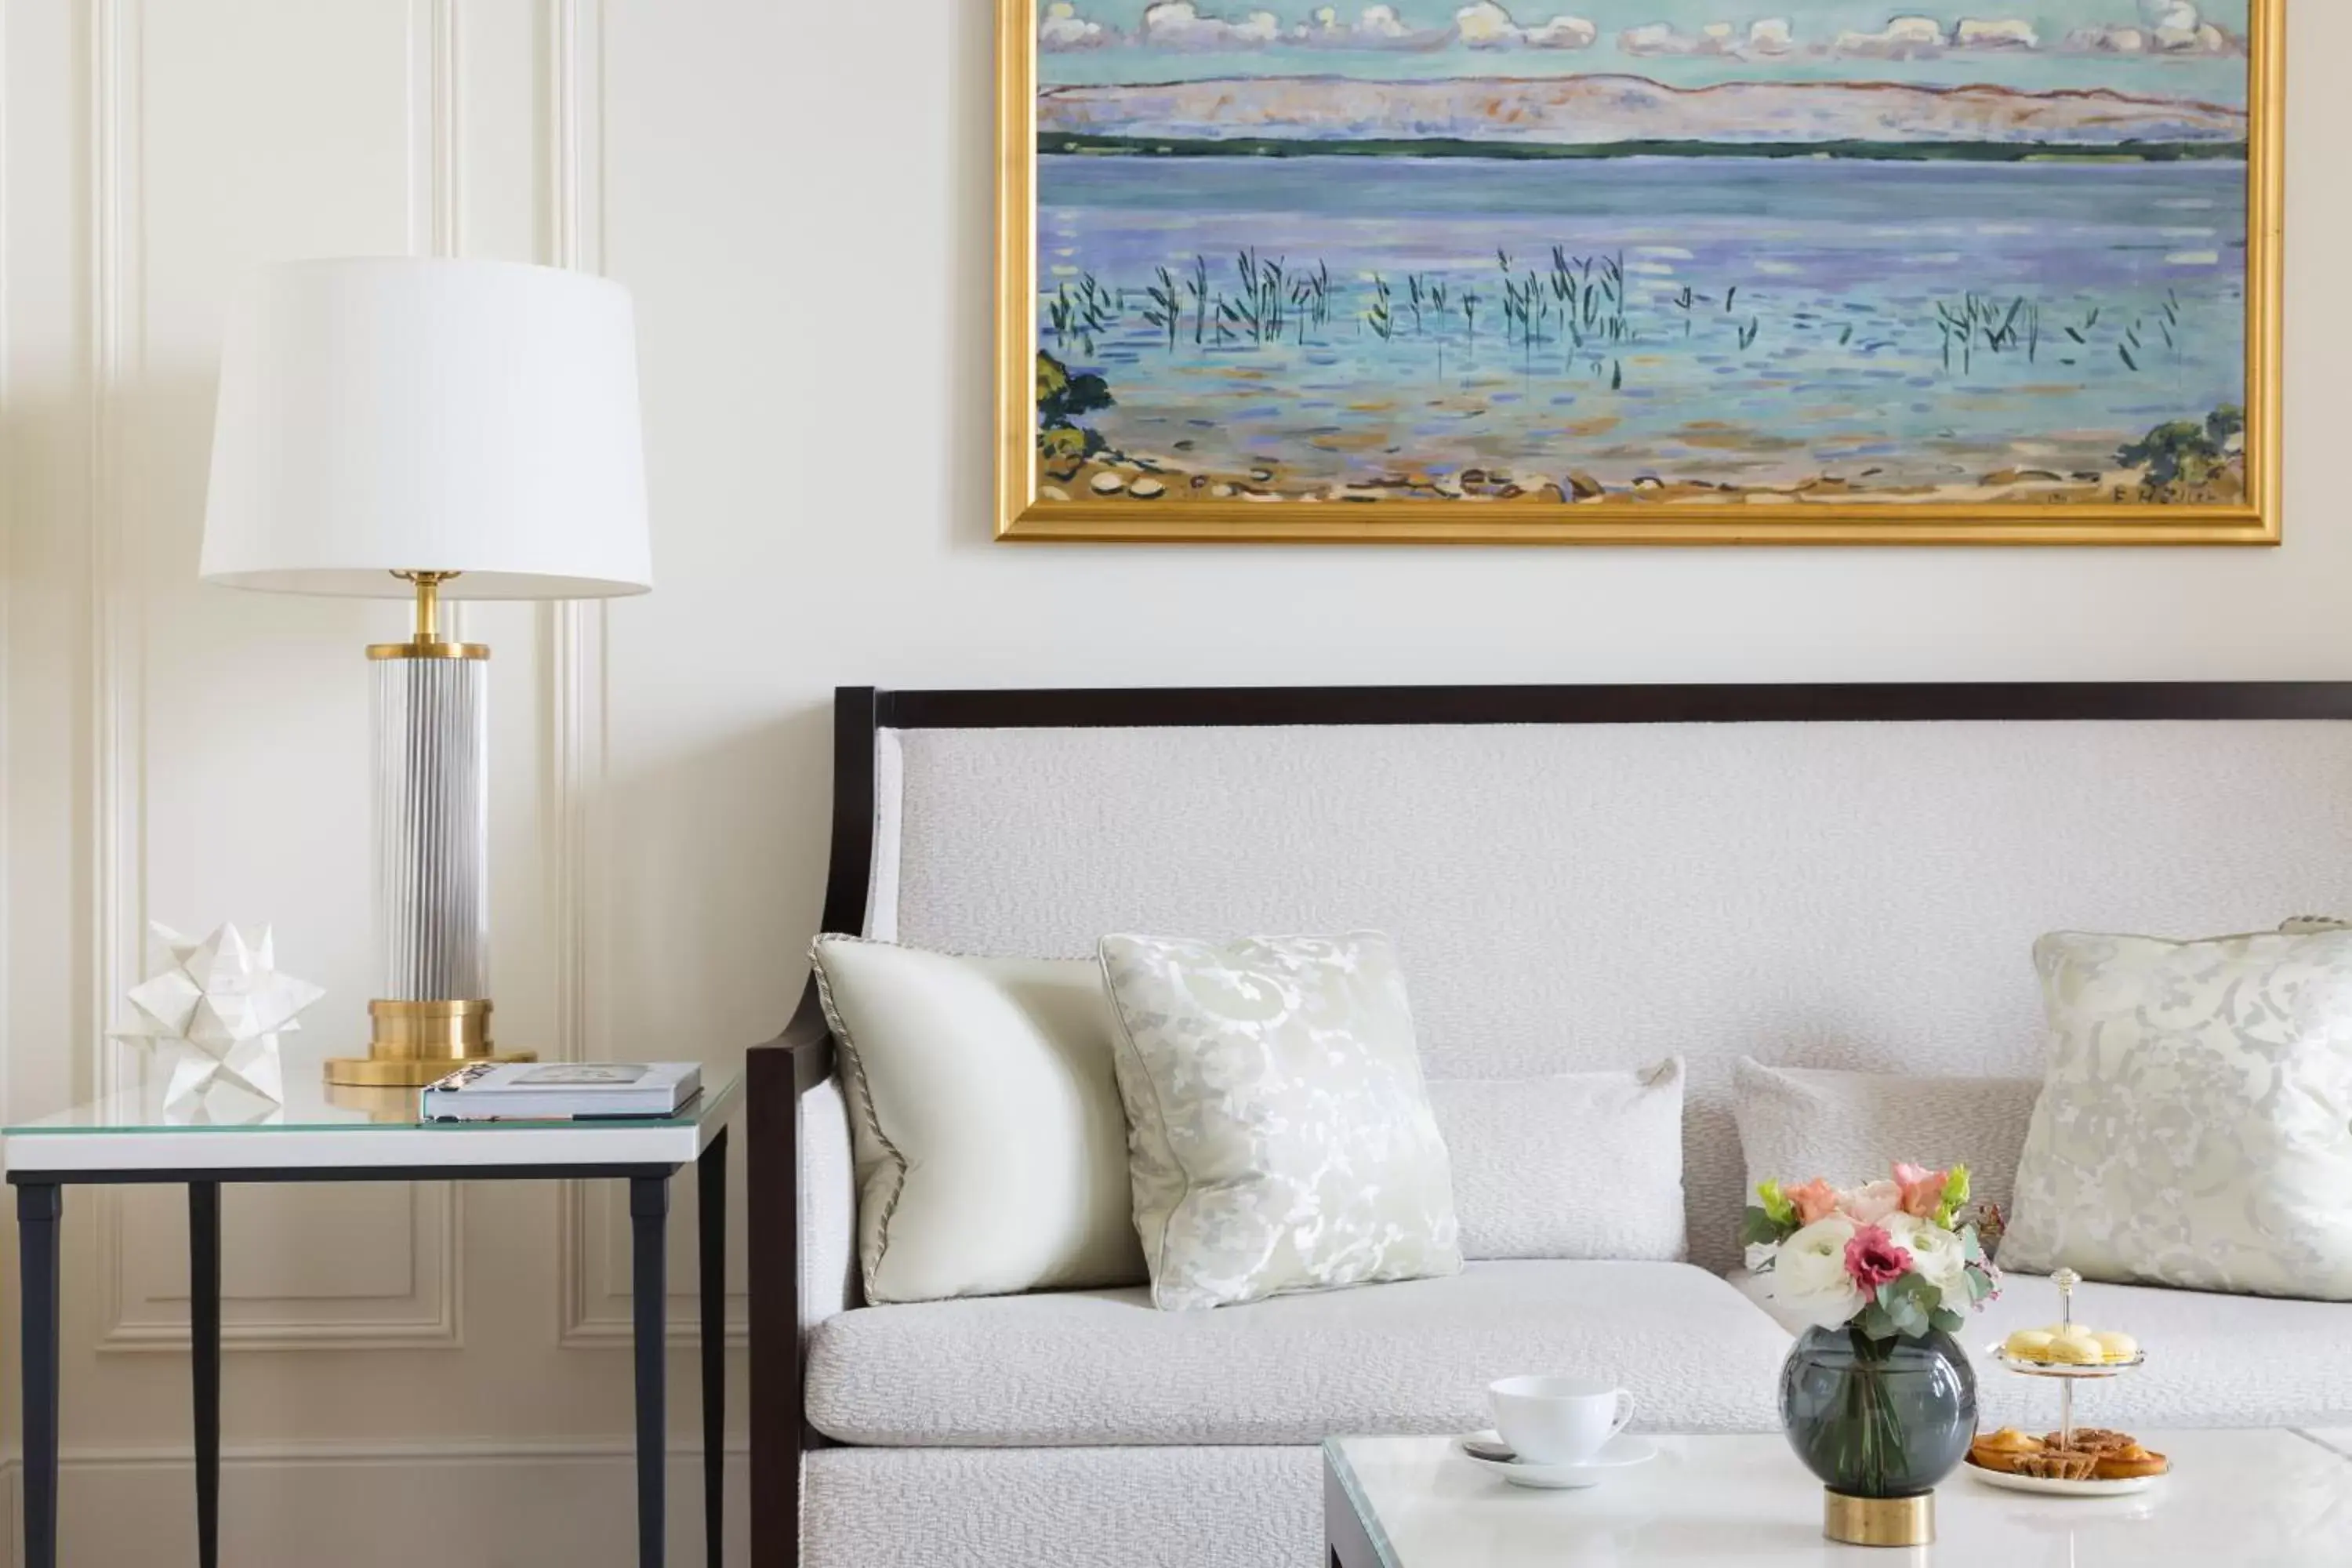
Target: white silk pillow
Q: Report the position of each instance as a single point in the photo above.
(992, 1151)
(1283, 1136)
(2193, 1128)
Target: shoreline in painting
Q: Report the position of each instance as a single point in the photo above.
(1144, 479)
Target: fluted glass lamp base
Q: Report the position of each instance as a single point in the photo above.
(431, 858)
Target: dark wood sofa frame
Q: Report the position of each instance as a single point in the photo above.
(781, 1071)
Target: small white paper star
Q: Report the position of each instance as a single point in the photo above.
(218, 1012)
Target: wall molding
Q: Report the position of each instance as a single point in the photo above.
(435, 199)
(116, 853)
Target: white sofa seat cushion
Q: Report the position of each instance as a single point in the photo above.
(2213, 1359)
(1103, 1367)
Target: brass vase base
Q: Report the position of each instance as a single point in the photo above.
(1879, 1520)
(419, 1042)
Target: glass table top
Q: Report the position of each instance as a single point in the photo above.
(314, 1105)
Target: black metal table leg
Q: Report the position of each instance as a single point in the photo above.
(649, 1291)
(710, 1189)
(204, 1360)
(38, 1208)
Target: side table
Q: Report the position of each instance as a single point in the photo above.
(132, 1140)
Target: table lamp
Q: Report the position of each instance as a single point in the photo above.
(429, 430)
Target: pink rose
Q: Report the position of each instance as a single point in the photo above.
(1872, 1259)
(1868, 1206)
(1923, 1190)
(1815, 1200)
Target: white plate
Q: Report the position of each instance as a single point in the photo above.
(2066, 1369)
(2048, 1486)
(1618, 1454)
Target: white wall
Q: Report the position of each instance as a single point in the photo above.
(821, 489)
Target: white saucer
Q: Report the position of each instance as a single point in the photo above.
(1618, 1454)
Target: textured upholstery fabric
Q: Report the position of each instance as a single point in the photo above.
(1063, 1508)
(2213, 1361)
(828, 1206)
(1105, 1368)
(1577, 1165)
(2192, 1127)
(1279, 1131)
(1852, 1127)
(992, 1153)
(1575, 898)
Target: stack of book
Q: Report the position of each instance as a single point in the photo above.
(561, 1091)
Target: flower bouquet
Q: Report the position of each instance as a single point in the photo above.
(1892, 1259)
(1876, 1397)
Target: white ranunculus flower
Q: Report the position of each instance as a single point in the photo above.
(1809, 1279)
(1938, 1257)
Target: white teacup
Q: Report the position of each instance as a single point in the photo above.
(1559, 1420)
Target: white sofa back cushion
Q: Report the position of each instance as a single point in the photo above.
(992, 1153)
(1570, 898)
(1851, 1127)
(1580, 1165)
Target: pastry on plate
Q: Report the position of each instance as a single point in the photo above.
(2094, 1440)
(2059, 1464)
(2116, 1347)
(2129, 1463)
(2002, 1451)
(2075, 1348)
(2029, 1344)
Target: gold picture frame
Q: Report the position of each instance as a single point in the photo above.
(1025, 516)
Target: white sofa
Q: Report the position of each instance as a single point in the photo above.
(1578, 879)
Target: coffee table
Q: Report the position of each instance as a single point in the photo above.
(2278, 1497)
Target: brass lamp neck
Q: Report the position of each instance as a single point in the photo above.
(428, 602)
(427, 643)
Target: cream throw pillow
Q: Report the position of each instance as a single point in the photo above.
(1282, 1135)
(1798, 1123)
(2193, 1129)
(992, 1153)
(1586, 1165)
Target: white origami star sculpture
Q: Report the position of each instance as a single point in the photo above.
(219, 1010)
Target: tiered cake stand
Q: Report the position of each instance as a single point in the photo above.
(2067, 1377)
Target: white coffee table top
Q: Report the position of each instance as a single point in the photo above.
(2276, 1498)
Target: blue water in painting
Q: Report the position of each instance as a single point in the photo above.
(1780, 319)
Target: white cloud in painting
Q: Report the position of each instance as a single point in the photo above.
(1663, 38)
(1904, 39)
(1487, 26)
(2164, 27)
(1179, 25)
(1379, 27)
(1773, 36)
(1064, 28)
(1995, 38)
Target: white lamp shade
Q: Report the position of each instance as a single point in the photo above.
(401, 415)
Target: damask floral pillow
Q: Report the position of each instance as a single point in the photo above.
(1280, 1133)
(2195, 1129)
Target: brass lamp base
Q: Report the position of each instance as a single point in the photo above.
(1879, 1521)
(417, 1042)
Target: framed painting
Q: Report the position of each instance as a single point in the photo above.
(1655, 271)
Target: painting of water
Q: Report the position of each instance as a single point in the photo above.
(1651, 271)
